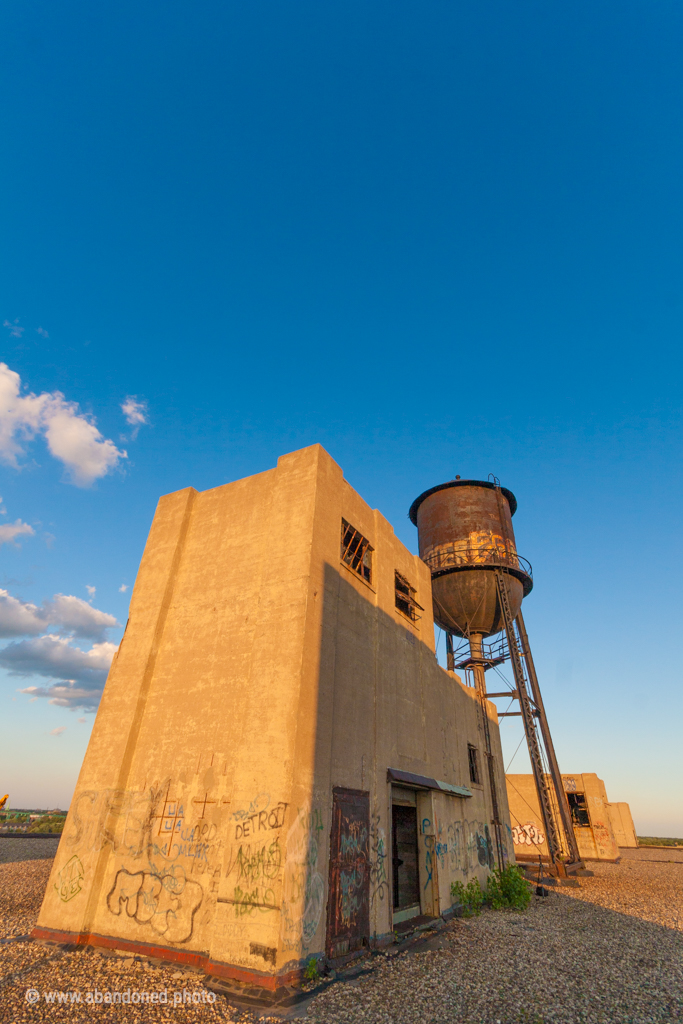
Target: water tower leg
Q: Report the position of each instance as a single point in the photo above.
(450, 656)
(479, 668)
(556, 848)
(562, 802)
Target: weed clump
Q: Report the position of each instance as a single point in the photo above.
(469, 896)
(311, 972)
(506, 889)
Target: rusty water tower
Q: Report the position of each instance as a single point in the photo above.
(479, 581)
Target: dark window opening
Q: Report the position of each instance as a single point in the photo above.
(404, 857)
(473, 757)
(579, 809)
(405, 597)
(356, 551)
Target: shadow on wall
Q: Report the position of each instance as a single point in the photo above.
(376, 687)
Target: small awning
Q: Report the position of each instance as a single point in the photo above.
(422, 782)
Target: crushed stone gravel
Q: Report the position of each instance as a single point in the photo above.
(607, 952)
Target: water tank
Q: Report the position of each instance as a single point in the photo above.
(465, 532)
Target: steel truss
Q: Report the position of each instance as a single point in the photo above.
(514, 646)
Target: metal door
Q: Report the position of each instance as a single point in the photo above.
(348, 906)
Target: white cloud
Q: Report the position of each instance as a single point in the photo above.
(19, 618)
(77, 616)
(78, 719)
(15, 330)
(80, 675)
(72, 614)
(123, 588)
(91, 590)
(9, 531)
(42, 331)
(71, 436)
(58, 731)
(135, 412)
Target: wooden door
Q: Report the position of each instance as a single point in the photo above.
(348, 905)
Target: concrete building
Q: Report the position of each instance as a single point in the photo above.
(622, 825)
(600, 827)
(279, 767)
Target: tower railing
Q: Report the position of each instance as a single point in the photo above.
(450, 556)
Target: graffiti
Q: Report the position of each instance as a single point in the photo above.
(456, 846)
(303, 886)
(441, 848)
(470, 845)
(429, 860)
(70, 879)
(260, 821)
(601, 835)
(259, 803)
(257, 899)
(350, 883)
(528, 835)
(482, 849)
(144, 826)
(353, 842)
(255, 865)
(167, 903)
(348, 916)
(378, 856)
(489, 847)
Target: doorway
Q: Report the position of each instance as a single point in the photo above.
(406, 877)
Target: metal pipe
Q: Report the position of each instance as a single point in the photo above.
(479, 669)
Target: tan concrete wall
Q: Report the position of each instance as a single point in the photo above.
(257, 672)
(596, 842)
(622, 825)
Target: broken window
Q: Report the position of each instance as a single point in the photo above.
(405, 597)
(356, 551)
(473, 757)
(579, 809)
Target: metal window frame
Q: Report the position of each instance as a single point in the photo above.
(473, 763)
(406, 597)
(356, 551)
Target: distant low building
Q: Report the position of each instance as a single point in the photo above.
(599, 826)
(622, 825)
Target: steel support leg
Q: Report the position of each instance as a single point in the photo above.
(553, 837)
(562, 803)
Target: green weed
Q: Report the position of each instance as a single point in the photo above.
(311, 972)
(507, 889)
(469, 896)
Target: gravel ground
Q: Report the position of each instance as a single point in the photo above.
(24, 870)
(609, 952)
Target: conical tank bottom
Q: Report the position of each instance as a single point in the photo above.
(466, 601)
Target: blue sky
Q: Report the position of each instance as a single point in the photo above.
(439, 238)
